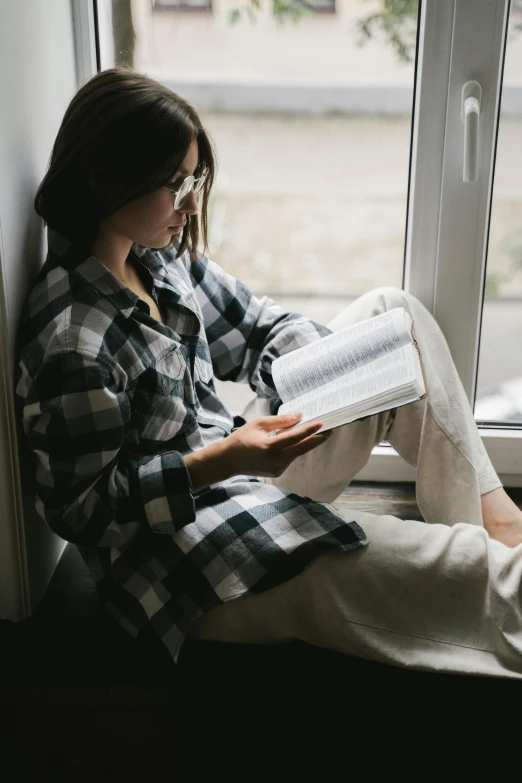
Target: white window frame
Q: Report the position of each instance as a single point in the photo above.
(84, 24)
(459, 223)
(448, 220)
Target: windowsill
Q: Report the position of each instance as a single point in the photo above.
(504, 447)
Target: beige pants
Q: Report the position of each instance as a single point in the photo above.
(439, 596)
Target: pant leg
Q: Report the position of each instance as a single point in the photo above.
(440, 597)
(418, 596)
(438, 435)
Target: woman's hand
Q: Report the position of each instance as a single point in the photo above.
(253, 451)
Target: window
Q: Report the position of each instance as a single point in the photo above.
(310, 204)
(499, 386)
(341, 168)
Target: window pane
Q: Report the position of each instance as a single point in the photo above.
(313, 136)
(499, 388)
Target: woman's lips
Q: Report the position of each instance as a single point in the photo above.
(177, 229)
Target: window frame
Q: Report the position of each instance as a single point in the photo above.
(458, 261)
(459, 40)
(84, 17)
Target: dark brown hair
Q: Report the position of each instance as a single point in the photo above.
(123, 135)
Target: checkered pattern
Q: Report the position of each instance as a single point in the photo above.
(110, 401)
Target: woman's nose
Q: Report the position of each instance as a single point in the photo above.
(190, 204)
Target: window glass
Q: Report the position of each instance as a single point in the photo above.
(312, 122)
(499, 387)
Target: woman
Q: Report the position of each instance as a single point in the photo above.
(190, 521)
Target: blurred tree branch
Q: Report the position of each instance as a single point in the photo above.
(282, 10)
(397, 23)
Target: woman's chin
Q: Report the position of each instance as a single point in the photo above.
(160, 243)
(172, 241)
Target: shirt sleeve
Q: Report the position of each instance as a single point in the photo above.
(246, 333)
(74, 415)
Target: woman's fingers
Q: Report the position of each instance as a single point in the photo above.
(307, 445)
(287, 439)
(298, 440)
(283, 421)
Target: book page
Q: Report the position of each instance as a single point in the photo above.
(384, 378)
(342, 352)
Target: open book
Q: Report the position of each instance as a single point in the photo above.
(364, 369)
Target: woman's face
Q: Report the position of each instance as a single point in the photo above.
(151, 220)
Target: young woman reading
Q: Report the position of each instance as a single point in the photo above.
(190, 521)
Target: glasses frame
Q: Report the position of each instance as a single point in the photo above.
(195, 185)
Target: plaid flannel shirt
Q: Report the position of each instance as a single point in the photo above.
(110, 400)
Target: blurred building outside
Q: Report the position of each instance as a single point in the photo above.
(313, 139)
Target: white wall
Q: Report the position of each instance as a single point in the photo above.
(37, 81)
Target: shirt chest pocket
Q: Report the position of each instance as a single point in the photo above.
(158, 398)
(203, 370)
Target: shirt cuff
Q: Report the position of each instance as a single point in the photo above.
(166, 493)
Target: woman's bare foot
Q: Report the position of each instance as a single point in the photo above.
(502, 518)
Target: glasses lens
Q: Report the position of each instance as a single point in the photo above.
(183, 192)
(198, 187)
(190, 183)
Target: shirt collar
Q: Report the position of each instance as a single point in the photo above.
(77, 257)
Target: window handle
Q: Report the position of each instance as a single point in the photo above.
(470, 113)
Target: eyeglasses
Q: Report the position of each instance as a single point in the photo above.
(189, 184)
